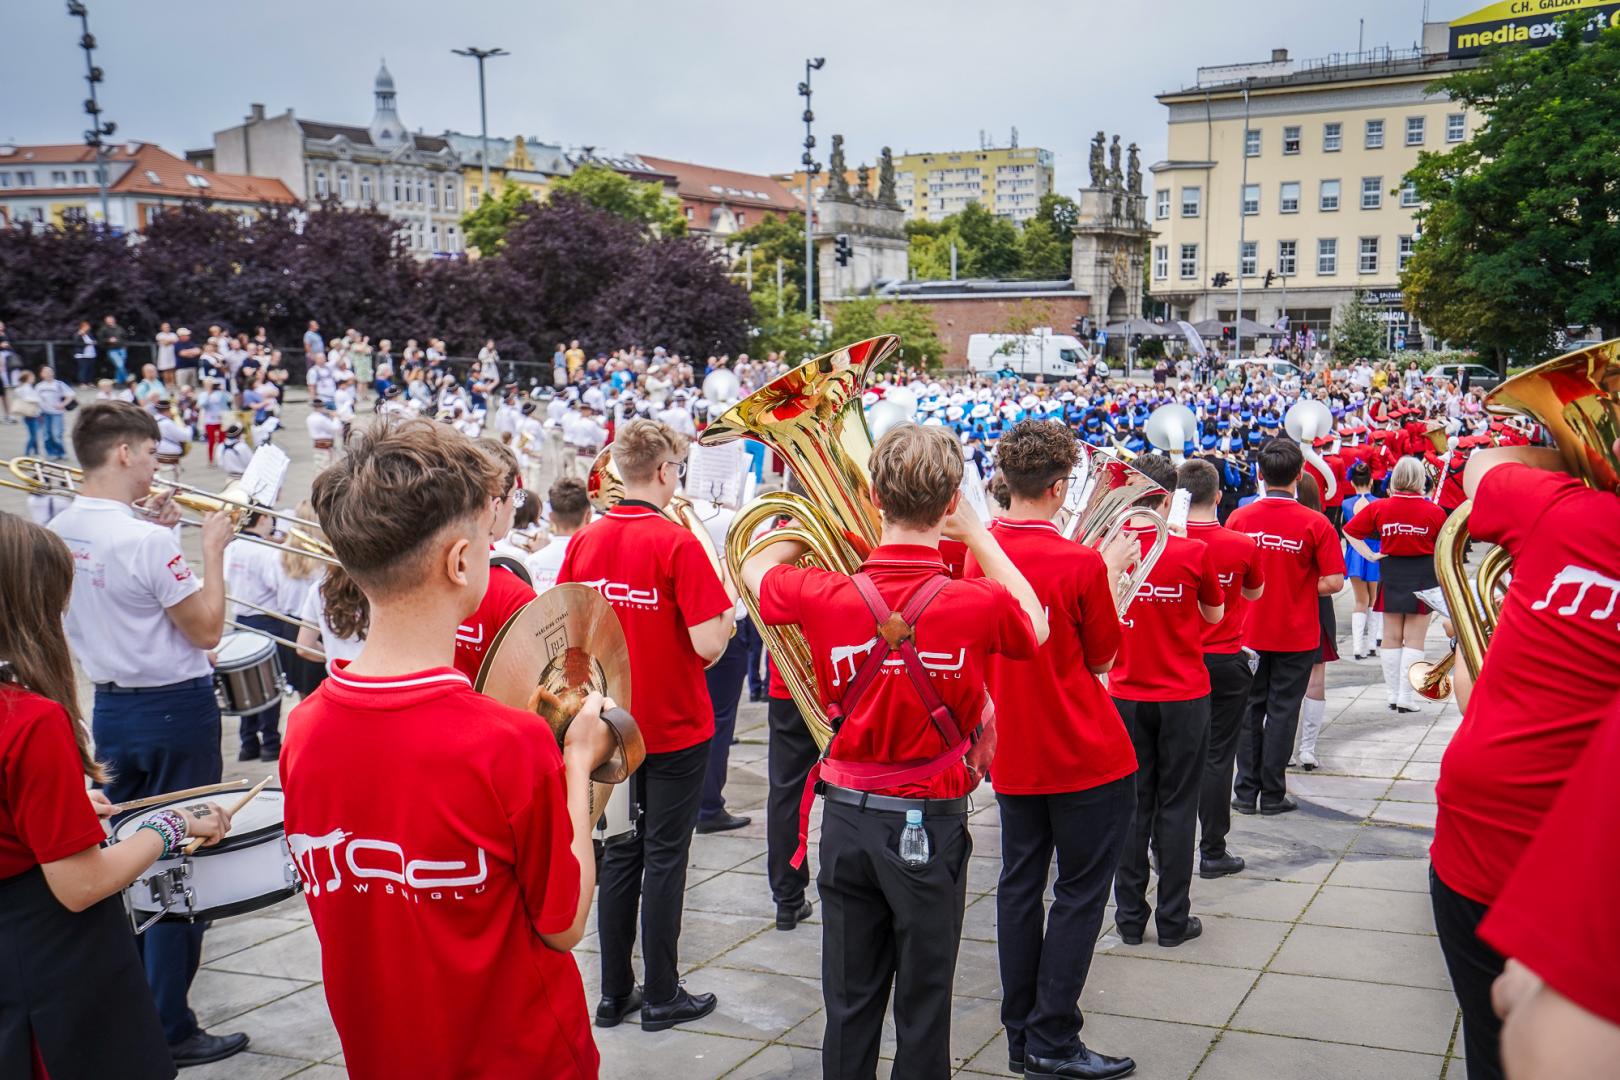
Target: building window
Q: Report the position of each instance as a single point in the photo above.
(5, 179)
(1291, 139)
(25, 178)
(454, 241)
(436, 238)
(59, 177)
(433, 199)
(1251, 198)
(449, 194)
(1368, 260)
(1329, 200)
(1456, 127)
(398, 195)
(1403, 252)
(1249, 258)
(322, 188)
(1287, 258)
(1332, 137)
(1161, 261)
(1190, 199)
(343, 186)
(1251, 142)
(1375, 135)
(417, 192)
(1327, 257)
(473, 199)
(80, 176)
(1372, 192)
(1288, 200)
(365, 187)
(1409, 193)
(1189, 261)
(1414, 131)
(1161, 204)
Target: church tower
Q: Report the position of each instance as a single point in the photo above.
(387, 131)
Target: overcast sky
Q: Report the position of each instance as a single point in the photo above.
(709, 81)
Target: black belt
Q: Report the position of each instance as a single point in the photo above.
(201, 682)
(867, 801)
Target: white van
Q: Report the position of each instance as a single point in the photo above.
(1041, 352)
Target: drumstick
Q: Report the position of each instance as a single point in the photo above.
(175, 796)
(196, 842)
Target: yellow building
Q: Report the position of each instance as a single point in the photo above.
(530, 164)
(1008, 182)
(1291, 176)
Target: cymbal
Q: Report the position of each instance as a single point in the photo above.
(566, 640)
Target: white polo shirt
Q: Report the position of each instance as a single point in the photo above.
(126, 573)
(544, 564)
(253, 573)
(335, 648)
(322, 425)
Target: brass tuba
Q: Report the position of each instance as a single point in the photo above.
(1103, 500)
(1306, 421)
(1576, 399)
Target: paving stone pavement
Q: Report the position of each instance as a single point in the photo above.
(1318, 961)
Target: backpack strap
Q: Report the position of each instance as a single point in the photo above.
(898, 630)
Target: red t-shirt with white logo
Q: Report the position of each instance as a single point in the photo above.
(967, 621)
(1056, 727)
(504, 597)
(1162, 658)
(1341, 485)
(1550, 673)
(660, 582)
(1403, 524)
(430, 885)
(1297, 546)
(1566, 934)
(1236, 560)
(44, 812)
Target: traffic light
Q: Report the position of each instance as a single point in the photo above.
(1271, 275)
(1222, 280)
(1226, 333)
(842, 249)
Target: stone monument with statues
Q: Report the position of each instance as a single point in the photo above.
(1112, 234)
(873, 223)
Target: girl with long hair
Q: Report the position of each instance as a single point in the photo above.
(1313, 709)
(74, 1001)
(1366, 625)
(301, 577)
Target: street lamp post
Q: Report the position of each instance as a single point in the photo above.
(1243, 221)
(483, 115)
(95, 135)
(810, 171)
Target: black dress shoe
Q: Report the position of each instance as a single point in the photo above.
(724, 822)
(1086, 1065)
(677, 1010)
(610, 1011)
(1220, 866)
(270, 753)
(1195, 928)
(1015, 1064)
(1242, 807)
(250, 751)
(203, 1048)
(793, 914)
(1282, 806)
(1129, 937)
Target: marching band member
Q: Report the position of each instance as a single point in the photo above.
(71, 987)
(253, 574)
(677, 618)
(505, 591)
(585, 437)
(1300, 560)
(894, 837)
(1064, 768)
(338, 614)
(1161, 688)
(325, 431)
(724, 681)
(1366, 624)
(790, 753)
(1536, 704)
(1406, 525)
(570, 509)
(1237, 567)
(234, 454)
(139, 622)
(1313, 707)
(173, 436)
(300, 576)
(521, 540)
(486, 823)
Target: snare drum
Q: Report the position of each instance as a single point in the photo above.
(250, 869)
(247, 673)
(621, 821)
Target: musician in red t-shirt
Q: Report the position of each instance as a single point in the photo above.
(507, 593)
(447, 894)
(1547, 682)
(677, 617)
(1161, 687)
(1064, 770)
(886, 921)
(1236, 560)
(1301, 560)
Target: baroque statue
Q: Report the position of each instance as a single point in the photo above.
(837, 182)
(886, 194)
(863, 184)
(1116, 177)
(1134, 170)
(1098, 169)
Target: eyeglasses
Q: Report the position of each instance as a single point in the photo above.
(680, 469)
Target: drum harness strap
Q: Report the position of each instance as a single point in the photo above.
(895, 631)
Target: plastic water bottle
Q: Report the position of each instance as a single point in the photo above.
(914, 840)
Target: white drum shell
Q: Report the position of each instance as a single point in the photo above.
(620, 821)
(247, 678)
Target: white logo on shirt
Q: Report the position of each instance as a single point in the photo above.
(1162, 593)
(414, 878)
(1401, 528)
(617, 592)
(470, 635)
(1226, 579)
(1277, 543)
(933, 661)
(1583, 579)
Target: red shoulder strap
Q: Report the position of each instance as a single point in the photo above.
(897, 634)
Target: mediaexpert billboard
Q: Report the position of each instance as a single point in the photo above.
(1533, 22)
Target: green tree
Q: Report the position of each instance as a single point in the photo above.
(1357, 330)
(856, 320)
(991, 243)
(635, 200)
(791, 333)
(930, 254)
(770, 240)
(485, 226)
(1521, 231)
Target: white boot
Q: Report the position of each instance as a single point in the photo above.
(1409, 697)
(1375, 629)
(1358, 634)
(1310, 724)
(1394, 678)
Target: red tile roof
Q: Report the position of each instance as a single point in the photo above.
(146, 162)
(706, 184)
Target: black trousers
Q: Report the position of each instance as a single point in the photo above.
(263, 728)
(758, 683)
(1267, 738)
(649, 872)
(1171, 740)
(725, 681)
(1044, 971)
(789, 757)
(884, 922)
(1229, 681)
(1473, 966)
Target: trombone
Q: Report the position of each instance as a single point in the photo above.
(37, 476)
